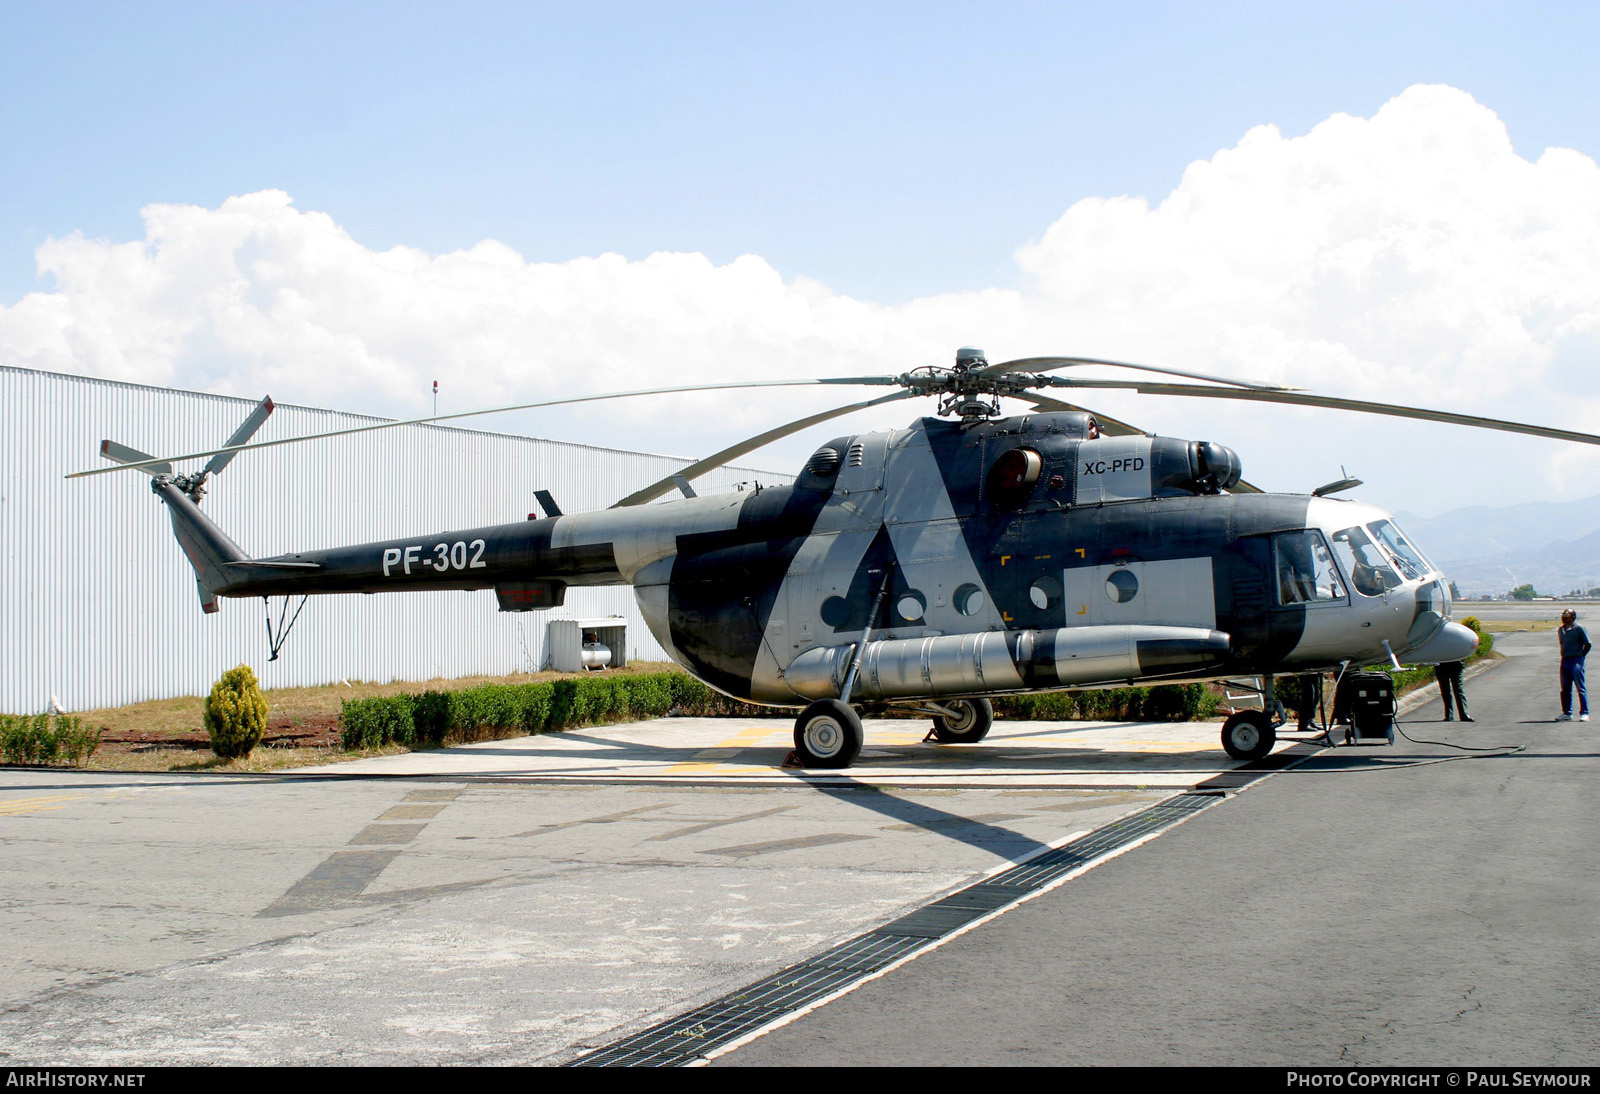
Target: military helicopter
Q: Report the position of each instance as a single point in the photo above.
(929, 568)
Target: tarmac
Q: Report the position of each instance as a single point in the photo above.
(733, 752)
(1416, 905)
(535, 900)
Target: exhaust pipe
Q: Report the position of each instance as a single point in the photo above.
(997, 661)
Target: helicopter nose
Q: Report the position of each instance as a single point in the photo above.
(1433, 608)
(1453, 642)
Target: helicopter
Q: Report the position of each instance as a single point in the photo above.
(928, 569)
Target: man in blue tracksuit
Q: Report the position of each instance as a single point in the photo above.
(1574, 648)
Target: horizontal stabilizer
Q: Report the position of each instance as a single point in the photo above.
(268, 563)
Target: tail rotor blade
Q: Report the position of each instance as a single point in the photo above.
(246, 430)
(121, 453)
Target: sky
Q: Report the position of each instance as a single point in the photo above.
(341, 203)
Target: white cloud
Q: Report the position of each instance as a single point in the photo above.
(1412, 256)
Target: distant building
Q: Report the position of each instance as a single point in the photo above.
(98, 605)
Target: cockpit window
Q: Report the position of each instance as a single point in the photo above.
(1370, 573)
(1406, 557)
(1306, 573)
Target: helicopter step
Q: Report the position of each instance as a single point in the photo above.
(1013, 660)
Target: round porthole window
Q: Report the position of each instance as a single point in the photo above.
(968, 599)
(1122, 586)
(1045, 593)
(836, 611)
(911, 606)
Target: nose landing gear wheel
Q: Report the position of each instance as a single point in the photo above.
(827, 734)
(974, 719)
(1248, 735)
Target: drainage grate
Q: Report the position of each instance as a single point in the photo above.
(691, 1036)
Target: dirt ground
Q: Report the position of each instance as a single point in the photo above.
(302, 723)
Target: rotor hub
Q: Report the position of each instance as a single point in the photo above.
(972, 389)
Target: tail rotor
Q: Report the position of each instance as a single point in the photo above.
(208, 548)
(195, 485)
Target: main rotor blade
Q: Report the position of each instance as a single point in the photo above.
(1109, 426)
(246, 430)
(1044, 364)
(733, 452)
(1361, 406)
(234, 449)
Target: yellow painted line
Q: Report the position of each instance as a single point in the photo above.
(19, 806)
(709, 759)
(50, 798)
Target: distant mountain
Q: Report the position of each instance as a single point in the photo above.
(1480, 532)
(1554, 569)
(1554, 546)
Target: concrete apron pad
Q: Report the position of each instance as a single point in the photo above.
(751, 751)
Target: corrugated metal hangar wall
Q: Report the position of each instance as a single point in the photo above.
(98, 605)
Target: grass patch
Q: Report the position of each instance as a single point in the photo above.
(362, 719)
(295, 707)
(170, 735)
(262, 759)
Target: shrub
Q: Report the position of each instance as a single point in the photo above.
(497, 710)
(25, 740)
(430, 719)
(236, 713)
(35, 740)
(1163, 703)
(533, 706)
(74, 744)
(371, 723)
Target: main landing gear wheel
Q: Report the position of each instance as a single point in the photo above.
(827, 734)
(1248, 735)
(974, 718)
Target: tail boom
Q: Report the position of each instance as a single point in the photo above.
(210, 551)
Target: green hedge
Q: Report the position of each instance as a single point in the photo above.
(1163, 703)
(42, 740)
(501, 710)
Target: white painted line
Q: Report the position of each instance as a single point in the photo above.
(779, 1023)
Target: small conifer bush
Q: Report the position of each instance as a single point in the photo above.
(236, 713)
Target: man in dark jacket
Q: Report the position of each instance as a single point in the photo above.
(1574, 648)
(1449, 677)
